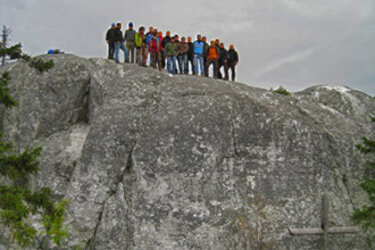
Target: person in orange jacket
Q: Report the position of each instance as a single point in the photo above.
(212, 56)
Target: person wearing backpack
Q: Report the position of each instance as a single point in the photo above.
(222, 61)
(150, 31)
(110, 38)
(198, 56)
(171, 51)
(130, 42)
(154, 48)
(119, 43)
(190, 55)
(182, 56)
(233, 59)
(149, 35)
(212, 56)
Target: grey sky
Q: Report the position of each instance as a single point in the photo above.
(294, 43)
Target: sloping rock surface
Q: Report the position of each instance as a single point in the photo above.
(153, 161)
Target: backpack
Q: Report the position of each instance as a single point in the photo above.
(148, 38)
(154, 44)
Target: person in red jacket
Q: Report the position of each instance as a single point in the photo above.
(160, 36)
(212, 56)
(154, 48)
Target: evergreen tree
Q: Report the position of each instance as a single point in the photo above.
(15, 52)
(366, 215)
(17, 201)
(5, 97)
(4, 41)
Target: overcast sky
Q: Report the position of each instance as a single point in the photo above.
(293, 43)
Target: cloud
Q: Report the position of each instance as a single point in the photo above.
(280, 41)
(295, 57)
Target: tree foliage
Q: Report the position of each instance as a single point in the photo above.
(366, 215)
(282, 91)
(15, 52)
(5, 98)
(17, 201)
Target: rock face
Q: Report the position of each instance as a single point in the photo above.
(151, 161)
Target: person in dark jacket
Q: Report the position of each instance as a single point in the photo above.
(164, 43)
(183, 48)
(119, 43)
(110, 38)
(190, 55)
(233, 59)
(177, 41)
(222, 61)
(217, 44)
(205, 51)
(130, 42)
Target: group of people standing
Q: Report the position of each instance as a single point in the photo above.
(171, 52)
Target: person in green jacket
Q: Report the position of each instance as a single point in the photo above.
(171, 52)
(138, 43)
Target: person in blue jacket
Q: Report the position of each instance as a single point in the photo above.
(198, 56)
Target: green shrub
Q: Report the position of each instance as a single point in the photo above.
(282, 91)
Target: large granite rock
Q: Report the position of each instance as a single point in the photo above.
(153, 161)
